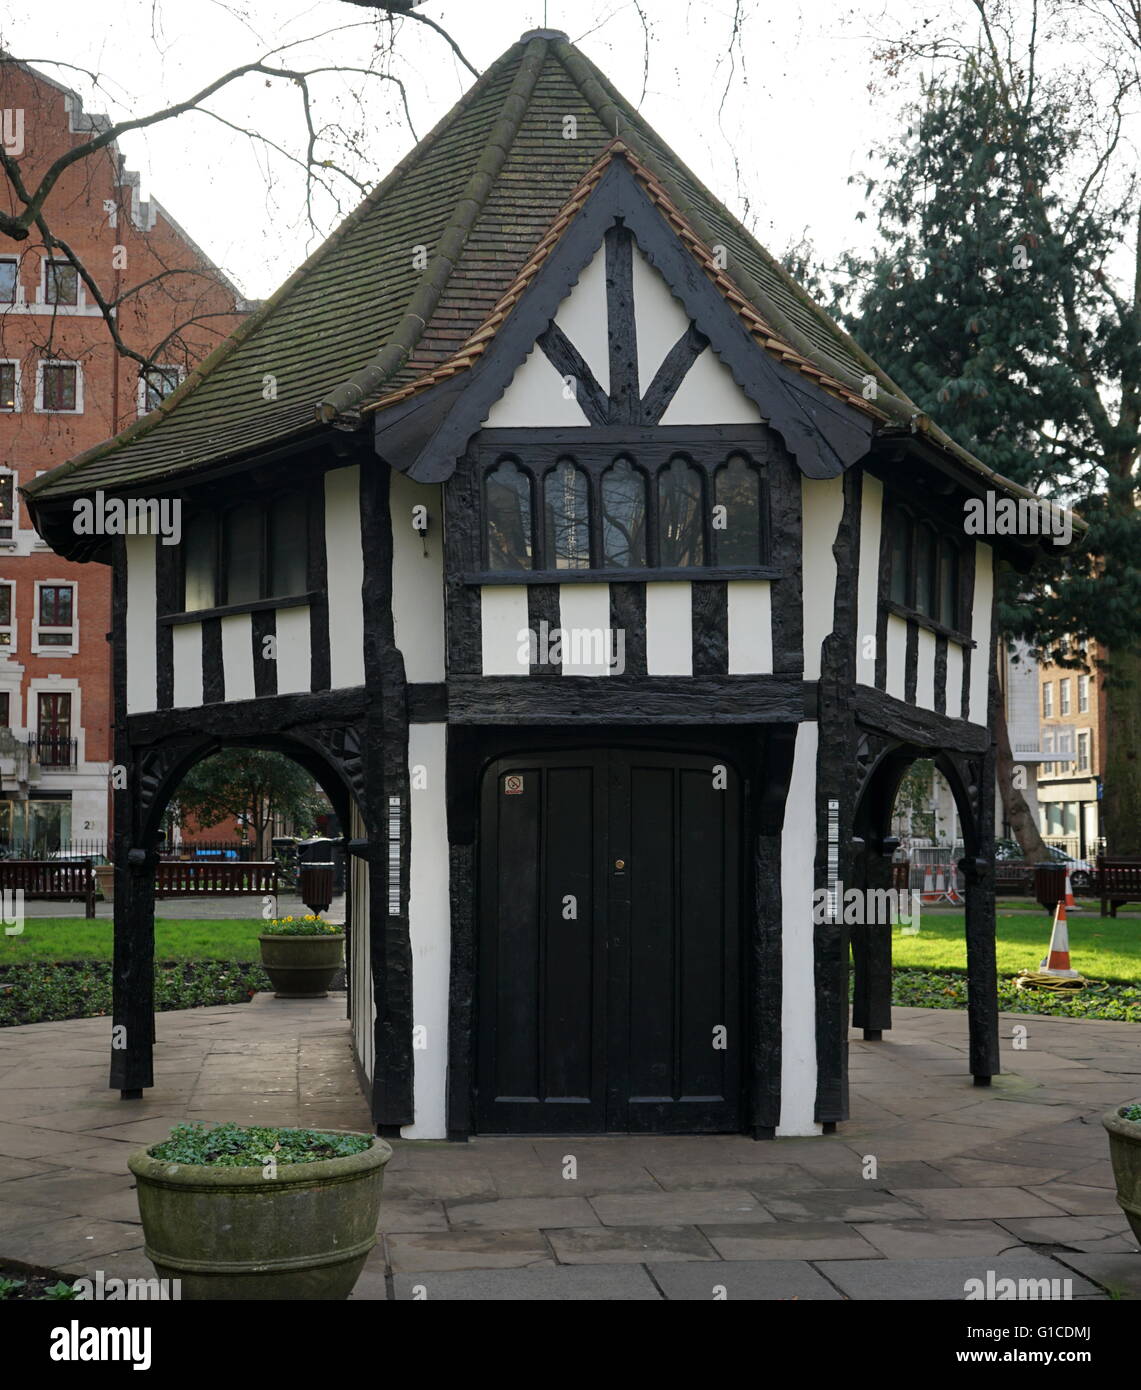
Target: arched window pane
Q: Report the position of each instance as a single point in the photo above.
(925, 570)
(949, 586)
(623, 517)
(737, 528)
(200, 561)
(681, 537)
(507, 494)
(566, 518)
(243, 530)
(900, 556)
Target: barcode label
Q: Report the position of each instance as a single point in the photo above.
(394, 856)
(833, 856)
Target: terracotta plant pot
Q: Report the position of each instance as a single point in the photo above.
(105, 881)
(1125, 1155)
(302, 967)
(234, 1233)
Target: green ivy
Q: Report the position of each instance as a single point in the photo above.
(1131, 1112)
(241, 1146)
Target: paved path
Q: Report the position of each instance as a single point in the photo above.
(1014, 1179)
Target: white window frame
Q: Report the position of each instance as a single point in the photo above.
(9, 628)
(19, 391)
(42, 293)
(59, 362)
(1084, 740)
(17, 294)
(1047, 699)
(1047, 747)
(1064, 705)
(59, 685)
(158, 367)
(1083, 694)
(6, 541)
(50, 649)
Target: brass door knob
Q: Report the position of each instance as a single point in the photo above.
(619, 863)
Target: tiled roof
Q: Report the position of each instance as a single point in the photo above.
(415, 281)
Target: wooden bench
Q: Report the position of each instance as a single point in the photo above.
(1118, 883)
(185, 878)
(62, 879)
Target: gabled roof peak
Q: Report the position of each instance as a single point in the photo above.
(544, 34)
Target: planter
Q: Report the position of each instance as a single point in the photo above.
(301, 967)
(1125, 1155)
(232, 1233)
(105, 881)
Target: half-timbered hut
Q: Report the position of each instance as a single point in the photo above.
(607, 588)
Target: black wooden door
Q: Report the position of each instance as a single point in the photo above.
(609, 972)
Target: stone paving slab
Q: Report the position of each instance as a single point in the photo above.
(1087, 1233)
(481, 1249)
(968, 1204)
(746, 1280)
(913, 1280)
(630, 1245)
(1119, 1275)
(522, 1213)
(921, 1240)
(561, 1284)
(684, 1208)
(793, 1240)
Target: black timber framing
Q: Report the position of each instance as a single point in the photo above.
(822, 433)
(763, 757)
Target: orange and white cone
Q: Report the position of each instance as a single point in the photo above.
(1071, 906)
(1057, 960)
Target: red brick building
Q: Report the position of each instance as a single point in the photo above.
(63, 388)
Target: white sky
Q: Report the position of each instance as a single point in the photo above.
(797, 121)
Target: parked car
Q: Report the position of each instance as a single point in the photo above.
(1082, 872)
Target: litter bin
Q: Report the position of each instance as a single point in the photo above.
(1050, 885)
(315, 884)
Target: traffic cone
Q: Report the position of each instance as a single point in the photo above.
(1057, 960)
(1071, 906)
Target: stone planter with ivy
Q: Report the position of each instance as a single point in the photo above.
(301, 955)
(241, 1213)
(1124, 1127)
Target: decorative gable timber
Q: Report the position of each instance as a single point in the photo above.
(823, 432)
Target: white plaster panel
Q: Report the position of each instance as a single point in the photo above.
(954, 681)
(708, 395)
(925, 672)
(418, 579)
(503, 629)
(583, 317)
(429, 925)
(669, 629)
(294, 650)
(344, 559)
(238, 657)
(749, 603)
(867, 599)
(659, 318)
(823, 509)
(896, 656)
(142, 659)
(536, 398)
(798, 984)
(584, 617)
(187, 665)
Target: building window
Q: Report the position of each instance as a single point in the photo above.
(924, 569)
(623, 516)
(7, 506)
(7, 615)
(737, 516)
(55, 616)
(1064, 696)
(61, 283)
(155, 384)
(1047, 747)
(55, 746)
(1083, 752)
(252, 552)
(5, 710)
(9, 279)
(60, 388)
(681, 516)
(1048, 700)
(507, 504)
(566, 517)
(9, 386)
(1083, 694)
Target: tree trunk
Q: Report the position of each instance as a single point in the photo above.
(1014, 806)
(1121, 795)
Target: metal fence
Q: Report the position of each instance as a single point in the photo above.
(48, 848)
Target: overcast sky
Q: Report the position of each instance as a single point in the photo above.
(776, 131)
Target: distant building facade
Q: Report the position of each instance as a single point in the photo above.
(63, 388)
(1073, 713)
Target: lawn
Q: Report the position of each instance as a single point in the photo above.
(73, 938)
(1101, 948)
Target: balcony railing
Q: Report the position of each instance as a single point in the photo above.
(54, 750)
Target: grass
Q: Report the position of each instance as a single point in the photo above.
(71, 938)
(1101, 948)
